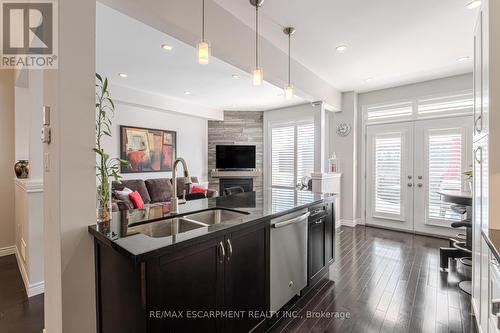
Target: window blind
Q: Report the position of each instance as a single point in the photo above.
(388, 159)
(445, 173)
(456, 104)
(453, 104)
(390, 112)
(305, 151)
(283, 156)
(292, 155)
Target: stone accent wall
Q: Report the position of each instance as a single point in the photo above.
(239, 128)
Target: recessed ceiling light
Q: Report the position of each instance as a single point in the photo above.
(123, 75)
(463, 59)
(341, 48)
(235, 76)
(187, 93)
(166, 47)
(370, 79)
(474, 4)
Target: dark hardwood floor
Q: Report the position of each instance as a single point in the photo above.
(18, 313)
(388, 282)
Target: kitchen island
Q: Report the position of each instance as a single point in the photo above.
(206, 268)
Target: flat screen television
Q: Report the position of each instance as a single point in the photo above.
(234, 157)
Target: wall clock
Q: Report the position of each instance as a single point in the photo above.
(343, 129)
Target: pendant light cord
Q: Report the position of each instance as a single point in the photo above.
(289, 59)
(202, 20)
(256, 36)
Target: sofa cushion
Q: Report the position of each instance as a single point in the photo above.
(160, 190)
(135, 185)
(181, 184)
(135, 197)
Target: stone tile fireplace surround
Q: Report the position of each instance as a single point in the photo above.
(238, 128)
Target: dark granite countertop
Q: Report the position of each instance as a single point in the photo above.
(121, 232)
(492, 238)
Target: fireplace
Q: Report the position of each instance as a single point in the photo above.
(245, 183)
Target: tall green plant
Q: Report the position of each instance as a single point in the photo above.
(107, 168)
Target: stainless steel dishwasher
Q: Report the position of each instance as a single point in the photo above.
(288, 257)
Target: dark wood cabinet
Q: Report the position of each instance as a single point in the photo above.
(330, 233)
(317, 249)
(246, 276)
(321, 241)
(190, 282)
(187, 286)
(225, 273)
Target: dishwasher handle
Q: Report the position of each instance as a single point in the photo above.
(291, 221)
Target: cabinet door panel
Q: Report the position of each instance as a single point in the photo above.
(317, 258)
(191, 280)
(246, 275)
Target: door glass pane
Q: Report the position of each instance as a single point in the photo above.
(283, 159)
(305, 151)
(444, 172)
(387, 174)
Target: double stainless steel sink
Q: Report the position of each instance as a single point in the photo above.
(186, 223)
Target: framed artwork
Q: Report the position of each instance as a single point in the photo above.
(147, 150)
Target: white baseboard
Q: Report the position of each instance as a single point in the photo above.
(31, 289)
(352, 223)
(7, 251)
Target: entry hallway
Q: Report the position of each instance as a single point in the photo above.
(389, 282)
(18, 313)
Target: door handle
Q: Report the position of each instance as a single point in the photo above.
(420, 184)
(229, 249)
(222, 252)
(319, 221)
(292, 221)
(479, 118)
(480, 159)
(410, 184)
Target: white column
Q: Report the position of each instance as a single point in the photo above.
(319, 137)
(70, 174)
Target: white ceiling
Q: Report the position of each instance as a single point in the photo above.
(392, 41)
(124, 45)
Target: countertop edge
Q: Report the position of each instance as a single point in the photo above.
(173, 247)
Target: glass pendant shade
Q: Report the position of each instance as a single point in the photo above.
(289, 91)
(258, 76)
(203, 52)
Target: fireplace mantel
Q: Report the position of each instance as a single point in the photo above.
(235, 174)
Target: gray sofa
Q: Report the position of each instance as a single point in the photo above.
(155, 191)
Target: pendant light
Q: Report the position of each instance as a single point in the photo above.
(257, 74)
(203, 45)
(289, 31)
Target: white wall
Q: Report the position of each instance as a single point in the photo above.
(346, 150)
(192, 137)
(7, 224)
(29, 192)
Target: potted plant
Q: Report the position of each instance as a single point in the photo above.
(107, 168)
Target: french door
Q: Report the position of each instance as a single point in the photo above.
(407, 164)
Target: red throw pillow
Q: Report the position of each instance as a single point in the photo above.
(136, 199)
(199, 189)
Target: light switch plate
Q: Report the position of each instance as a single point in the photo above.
(46, 115)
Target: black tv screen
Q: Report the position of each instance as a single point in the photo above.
(235, 157)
